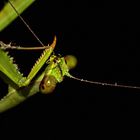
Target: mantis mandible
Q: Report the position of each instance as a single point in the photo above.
(21, 87)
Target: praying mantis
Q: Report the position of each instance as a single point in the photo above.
(21, 87)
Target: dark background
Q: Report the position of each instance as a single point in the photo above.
(104, 36)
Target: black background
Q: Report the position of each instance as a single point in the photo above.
(104, 36)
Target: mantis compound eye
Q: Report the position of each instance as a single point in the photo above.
(48, 84)
(71, 61)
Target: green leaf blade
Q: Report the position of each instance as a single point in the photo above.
(7, 14)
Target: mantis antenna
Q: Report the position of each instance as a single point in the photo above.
(105, 84)
(33, 33)
(43, 47)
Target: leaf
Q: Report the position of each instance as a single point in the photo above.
(7, 14)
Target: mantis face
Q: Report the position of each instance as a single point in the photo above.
(56, 70)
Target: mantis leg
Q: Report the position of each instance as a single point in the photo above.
(16, 96)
